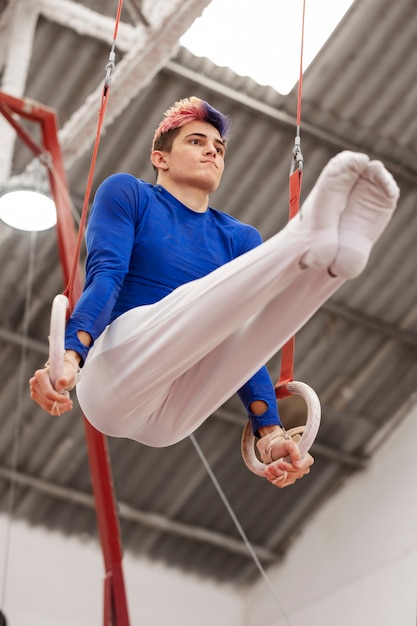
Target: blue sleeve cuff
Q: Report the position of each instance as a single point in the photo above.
(260, 387)
(73, 343)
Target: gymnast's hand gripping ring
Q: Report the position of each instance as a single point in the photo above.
(309, 431)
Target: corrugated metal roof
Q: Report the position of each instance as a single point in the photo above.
(358, 352)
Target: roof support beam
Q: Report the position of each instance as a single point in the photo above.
(339, 142)
(401, 335)
(147, 51)
(154, 521)
(17, 38)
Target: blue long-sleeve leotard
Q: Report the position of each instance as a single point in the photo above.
(142, 243)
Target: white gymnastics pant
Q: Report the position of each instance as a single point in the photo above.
(158, 371)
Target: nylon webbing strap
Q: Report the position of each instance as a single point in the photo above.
(296, 174)
(295, 192)
(288, 349)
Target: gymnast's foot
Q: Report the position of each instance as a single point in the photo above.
(321, 212)
(369, 208)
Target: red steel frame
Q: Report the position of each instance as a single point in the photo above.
(115, 610)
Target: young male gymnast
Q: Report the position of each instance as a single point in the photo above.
(183, 304)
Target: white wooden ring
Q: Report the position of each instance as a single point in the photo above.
(308, 436)
(60, 305)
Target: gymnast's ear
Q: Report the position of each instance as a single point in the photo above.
(159, 160)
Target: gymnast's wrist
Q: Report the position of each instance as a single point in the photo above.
(78, 342)
(273, 430)
(71, 356)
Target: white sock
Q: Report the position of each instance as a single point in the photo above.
(370, 207)
(321, 211)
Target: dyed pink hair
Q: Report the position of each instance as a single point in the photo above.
(188, 110)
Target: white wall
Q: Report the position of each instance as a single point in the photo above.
(54, 581)
(356, 562)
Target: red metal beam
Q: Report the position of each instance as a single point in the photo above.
(115, 600)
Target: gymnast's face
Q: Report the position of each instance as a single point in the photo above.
(196, 159)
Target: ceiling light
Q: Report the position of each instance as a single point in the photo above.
(25, 201)
(27, 209)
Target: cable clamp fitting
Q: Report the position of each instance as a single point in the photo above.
(297, 157)
(110, 67)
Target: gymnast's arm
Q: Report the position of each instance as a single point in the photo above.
(113, 212)
(259, 399)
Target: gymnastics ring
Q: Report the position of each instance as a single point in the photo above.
(60, 306)
(308, 432)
